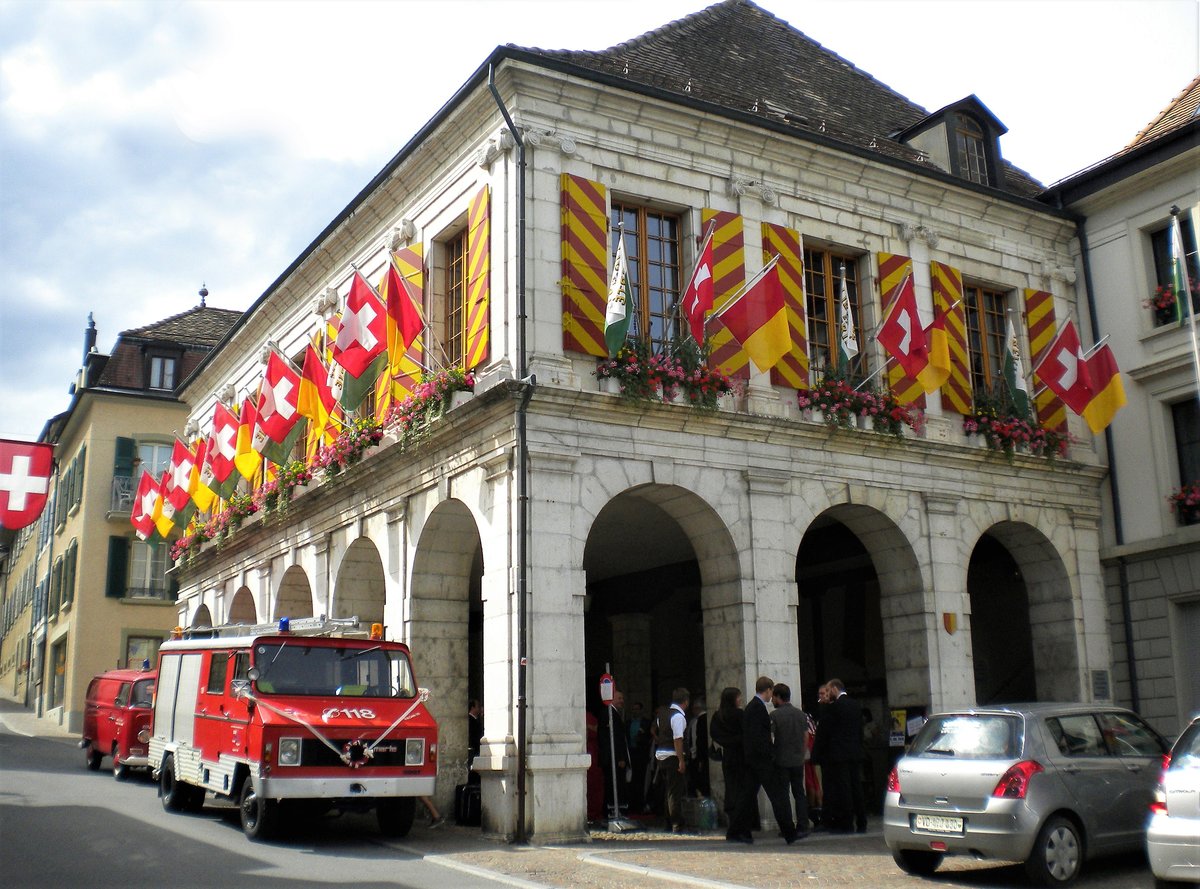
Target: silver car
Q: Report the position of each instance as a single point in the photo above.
(1173, 834)
(1046, 784)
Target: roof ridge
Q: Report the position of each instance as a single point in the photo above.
(1166, 111)
(153, 325)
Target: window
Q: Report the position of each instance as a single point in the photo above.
(58, 677)
(141, 650)
(1077, 735)
(147, 571)
(1126, 735)
(217, 669)
(985, 336)
(155, 458)
(1160, 249)
(969, 146)
(455, 315)
(652, 250)
(824, 272)
(162, 372)
(1186, 418)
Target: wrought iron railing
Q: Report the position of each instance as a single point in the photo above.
(123, 492)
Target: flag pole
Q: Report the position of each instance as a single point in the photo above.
(1179, 260)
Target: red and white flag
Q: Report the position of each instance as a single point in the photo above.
(1064, 371)
(222, 448)
(25, 470)
(141, 516)
(362, 331)
(277, 402)
(698, 296)
(901, 333)
(178, 492)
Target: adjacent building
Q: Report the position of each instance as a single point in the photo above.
(81, 593)
(546, 530)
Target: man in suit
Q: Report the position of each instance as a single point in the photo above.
(839, 750)
(761, 771)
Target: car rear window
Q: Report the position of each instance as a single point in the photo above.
(970, 736)
(1186, 752)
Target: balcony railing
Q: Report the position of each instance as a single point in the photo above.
(123, 491)
(160, 592)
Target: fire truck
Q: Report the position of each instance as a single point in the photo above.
(299, 718)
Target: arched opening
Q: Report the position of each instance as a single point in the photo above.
(202, 617)
(294, 598)
(360, 591)
(446, 631)
(1023, 634)
(241, 609)
(853, 567)
(662, 612)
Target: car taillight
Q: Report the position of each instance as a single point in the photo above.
(893, 782)
(1015, 782)
(1158, 805)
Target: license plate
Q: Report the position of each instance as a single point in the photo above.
(938, 824)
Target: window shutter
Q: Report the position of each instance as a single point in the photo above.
(77, 487)
(118, 567)
(584, 265)
(893, 269)
(68, 593)
(778, 240)
(729, 274)
(479, 279)
(1039, 319)
(947, 291)
(126, 453)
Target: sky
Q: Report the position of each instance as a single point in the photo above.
(150, 148)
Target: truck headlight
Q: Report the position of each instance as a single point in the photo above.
(289, 752)
(414, 752)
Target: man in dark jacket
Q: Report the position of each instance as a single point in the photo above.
(761, 771)
(791, 740)
(838, 749)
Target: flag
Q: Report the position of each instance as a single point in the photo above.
(1064, 371)
(177, 494)
(1109, 391)
(848, 342)
(25, 470)
(616, 314)
(1014, 372)
(1179, 274)
(202, 495)
(758, 319)
(278, 423)
(937, 371)
(361, 343)
(162, 522)
(141, 516)
(698, 296)
(246, 458)
(316, 400)
(901, 333)
(218, 472)
(402, 302)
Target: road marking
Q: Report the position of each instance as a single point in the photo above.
(481, 872)
(642, 870)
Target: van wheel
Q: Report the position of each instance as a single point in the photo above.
(175, 794)
(259, 814)
(1057, 855)
(396, 816)
(92, 758)
(120, 770)
(916, 861)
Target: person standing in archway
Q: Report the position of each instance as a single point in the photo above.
(791, 733)
(474, 737)
(669, 727)
(839, 751)
(762, 771)
(725, 730)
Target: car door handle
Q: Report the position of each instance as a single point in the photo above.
(1070, 769)
(1133, 766)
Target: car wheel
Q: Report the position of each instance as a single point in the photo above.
(916, 861)
(175, 794)
(120, 770)
(1057, 855)
(91, 758)
(396, 816)
(259, 815)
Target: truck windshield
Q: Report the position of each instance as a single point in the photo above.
(290, 667)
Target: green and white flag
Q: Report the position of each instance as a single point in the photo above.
(1179, 274)
(1014, 375)
(616, 313)
(848, 342)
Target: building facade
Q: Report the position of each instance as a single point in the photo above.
(81, 594)
(546, 530)
(1151, 552)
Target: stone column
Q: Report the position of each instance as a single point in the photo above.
(631, 657)
(947, 625)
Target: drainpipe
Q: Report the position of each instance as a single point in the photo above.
(528, 382)
(1114, 490)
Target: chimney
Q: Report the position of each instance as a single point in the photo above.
(89, 339)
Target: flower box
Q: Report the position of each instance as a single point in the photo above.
(1185, 503)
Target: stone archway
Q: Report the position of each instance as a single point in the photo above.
(241, 608)
(360, 590)
(202, 617)
(294, 598)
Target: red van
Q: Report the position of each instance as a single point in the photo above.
(116, 720)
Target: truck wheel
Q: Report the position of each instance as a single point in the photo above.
(1057, 855)
(396, 816)
(120, 770)
(175, 794)
(91, 758)
(259, 814)
(916, 861)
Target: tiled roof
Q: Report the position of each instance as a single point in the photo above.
(737, 55)
(1182, 110)
(201, 326)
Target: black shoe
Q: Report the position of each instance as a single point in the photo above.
(796, 835)
(739, 838)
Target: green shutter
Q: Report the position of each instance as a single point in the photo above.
(69, 574)
(126, 454)
(118, 567)
(77, 486)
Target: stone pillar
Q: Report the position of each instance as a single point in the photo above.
(1095, 656)
(631, 662)
(948, 628)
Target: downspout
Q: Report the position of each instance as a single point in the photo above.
(1114, 490)
(528, 382)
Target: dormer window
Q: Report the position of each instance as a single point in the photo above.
(162, 372)
(972, 155)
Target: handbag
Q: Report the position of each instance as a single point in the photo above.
(716, 752)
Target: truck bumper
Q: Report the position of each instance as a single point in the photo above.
(347, 787)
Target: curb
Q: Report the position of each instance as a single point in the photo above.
(475, 871)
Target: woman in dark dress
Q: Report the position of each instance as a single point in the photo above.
(725, 731)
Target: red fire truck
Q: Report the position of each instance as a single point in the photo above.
(309, 715)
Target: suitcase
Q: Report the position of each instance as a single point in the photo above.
(467, 805)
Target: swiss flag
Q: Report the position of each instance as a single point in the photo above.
(698, 297)
(142, 514)
(222, 447)
(25, 469)
(1064, 370)
(179, 486)
(362, 331)
(902, 334)
(277, 402)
